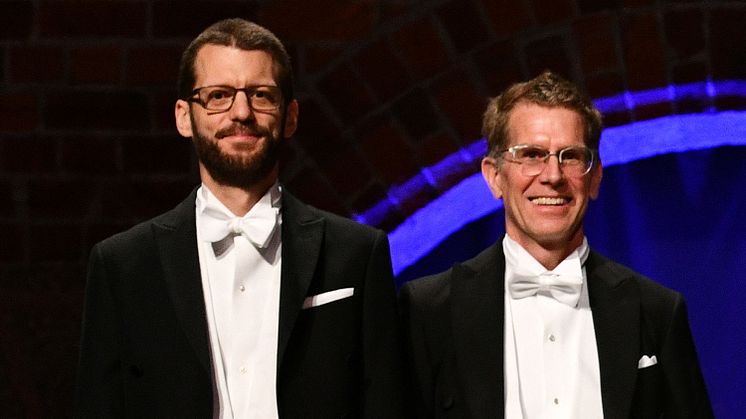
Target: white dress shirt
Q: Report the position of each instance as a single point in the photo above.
(241, 284)
(551, 360)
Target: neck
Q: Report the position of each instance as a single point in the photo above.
(238, 199)
(550, 254)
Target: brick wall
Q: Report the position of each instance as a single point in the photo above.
(87, 144)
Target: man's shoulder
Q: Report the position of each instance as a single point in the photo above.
(299, 211)
(139, 234)
(651, 291)
(437, 286)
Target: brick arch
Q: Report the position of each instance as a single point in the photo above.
(387, 87)
(410, 92)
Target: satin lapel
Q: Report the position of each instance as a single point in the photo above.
(176, 236)
(302, 234)
(615, 304)
(477, 312)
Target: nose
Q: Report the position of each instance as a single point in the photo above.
(241, 109)
(552, 172)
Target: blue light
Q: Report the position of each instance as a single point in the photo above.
(470, 199)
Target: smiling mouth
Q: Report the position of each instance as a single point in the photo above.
(546, 200)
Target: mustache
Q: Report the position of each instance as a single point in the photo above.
(241, 129)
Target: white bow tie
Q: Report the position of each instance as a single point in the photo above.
(257, 225)
(563, 286)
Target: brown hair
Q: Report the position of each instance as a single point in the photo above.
(547, 89)
(241, 34)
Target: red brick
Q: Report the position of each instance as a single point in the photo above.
(417, 194)
(728, 43)
(463, 23)
(604, 85)
(685, 32)
(60, 199)
(689, 72)
(153, 65)
(617, 119)
(55, 242)
(636, 3)
(89, 109)
(507, 16)
(553, 11)
(142, 199)
(163, 113)
(92, 19)
(311, 187)
(29, 154)
(8, 209)
(416, 114)
(383, 71)
(591, 6)
(316, 132)
(368, 196)
(346, 93)
(307, 21)
(36, 64)
(643, 52)
(596, 42)
(653, 111)
(189, 18)
(16, 19)
(90, 155)
(499, 66)
(461, 103)
(548, 54)
(730, 103)
(20, 112)
(424, 50)
(435, 148)
(317, 58)
(346, 170)
(96, 64)
(387, 151)
(12, 250)
(101, 230)
(159, 154)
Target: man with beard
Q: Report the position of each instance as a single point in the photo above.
(241, 302)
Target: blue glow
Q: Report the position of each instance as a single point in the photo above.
(471, 199)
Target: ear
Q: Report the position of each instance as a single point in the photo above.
(183, 119)
(596, 175)
(291, 119)
(491, 174)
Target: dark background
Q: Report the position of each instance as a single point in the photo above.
(88, 146)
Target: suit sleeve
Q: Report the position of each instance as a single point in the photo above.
(98, 390)
(419, 375)
(381, 352)
(687, 392)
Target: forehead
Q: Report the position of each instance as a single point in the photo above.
(536, 124)
(219, 64)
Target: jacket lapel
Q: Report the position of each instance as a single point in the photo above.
(302, 234)
(615, 304)
(176, 237)
(477, 314)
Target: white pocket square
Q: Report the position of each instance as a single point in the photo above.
(646, 361)
(327, 297)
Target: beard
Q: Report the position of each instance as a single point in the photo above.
(237, 170)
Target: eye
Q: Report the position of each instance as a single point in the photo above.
(218, 95)
(574, 156)
(531, 154)
(265, 95)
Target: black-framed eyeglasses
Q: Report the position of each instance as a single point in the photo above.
(575, 161)
(221, 98)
